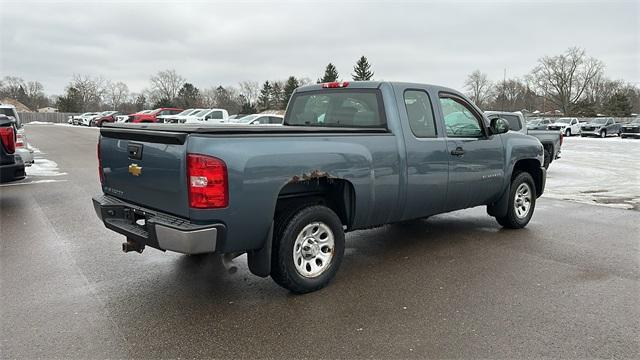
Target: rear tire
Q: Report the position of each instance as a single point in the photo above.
(308, 248)
(522, 202)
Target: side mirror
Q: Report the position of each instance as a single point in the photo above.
(499, 126)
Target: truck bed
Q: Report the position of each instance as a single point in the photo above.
(235, 129)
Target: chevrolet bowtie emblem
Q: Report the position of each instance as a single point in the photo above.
(135, 170)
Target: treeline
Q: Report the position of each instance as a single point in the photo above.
(571, 84)
(167, 89)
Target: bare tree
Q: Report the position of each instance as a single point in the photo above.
(479, 87)
(12, 87)
(35, 95)
(209, 97)
(117, 94)
(166, 84)
(90, 90)
(564, 78)
(250, 90)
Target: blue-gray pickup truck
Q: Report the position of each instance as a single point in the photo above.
(349, 156)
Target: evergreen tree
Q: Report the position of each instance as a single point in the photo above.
(277, 96)
(330, 74)
(71, 102)
(362, 70)
(291, 84)
(618, 105)
(188, 96)
(141, 102)
(162, 103)
(264, 100)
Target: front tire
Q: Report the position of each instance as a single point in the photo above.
(568, 133)
(308, 248)
(603, 134)
(522, 202)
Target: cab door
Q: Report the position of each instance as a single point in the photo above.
(476, 158)
(426, 153)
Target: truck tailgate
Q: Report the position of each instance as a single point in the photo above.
(146, 168)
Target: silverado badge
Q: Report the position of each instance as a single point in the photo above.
(135, 170)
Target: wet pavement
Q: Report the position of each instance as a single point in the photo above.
(452, 286)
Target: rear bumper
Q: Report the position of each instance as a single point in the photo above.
(159, 230)
(630, 134)
(12, 172)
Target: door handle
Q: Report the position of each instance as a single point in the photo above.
(458, 151)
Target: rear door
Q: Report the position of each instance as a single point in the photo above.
(426, 148)
(476, 159)
(146, 169)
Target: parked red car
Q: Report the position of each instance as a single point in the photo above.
(151, 117)
(105, 117)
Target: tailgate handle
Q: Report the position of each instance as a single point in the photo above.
(135, 151)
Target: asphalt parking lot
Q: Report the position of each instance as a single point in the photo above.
(453, 286)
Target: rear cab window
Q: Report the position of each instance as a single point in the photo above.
(513, 120)
(349, 108)
(420, 113)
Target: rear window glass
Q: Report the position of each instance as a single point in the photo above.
(336, 108)
(513, 120)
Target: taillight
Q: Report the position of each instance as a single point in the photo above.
(335, 84)
(19, 140)
(100, 171)
(8, 138)
(207, 178)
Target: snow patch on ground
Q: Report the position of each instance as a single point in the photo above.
(597, 171)
(44, 167)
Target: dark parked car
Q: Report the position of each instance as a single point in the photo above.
(11, 164)
(631, 129)
(601, 127)
(349, 156)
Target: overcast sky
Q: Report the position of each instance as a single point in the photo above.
(226, 42)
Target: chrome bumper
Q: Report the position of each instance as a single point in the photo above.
(162, 231)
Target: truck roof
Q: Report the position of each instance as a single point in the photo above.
(378, 84)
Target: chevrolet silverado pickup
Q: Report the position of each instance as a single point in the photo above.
(601, 127)
(349, 156)
(551, 140)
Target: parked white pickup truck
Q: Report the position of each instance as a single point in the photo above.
(567, 126)
(210, 116)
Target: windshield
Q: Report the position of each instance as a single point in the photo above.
(200, 113)
(600, 121)
(636, 122)
(187, 112)
(336, 108)
(564, 120)
(247, 119)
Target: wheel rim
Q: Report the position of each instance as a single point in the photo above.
(522, 202)
(602, 134)
(313, 249)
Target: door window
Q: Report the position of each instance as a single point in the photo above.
(459, 120)
(420, 113)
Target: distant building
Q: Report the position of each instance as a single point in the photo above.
(47, 109)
